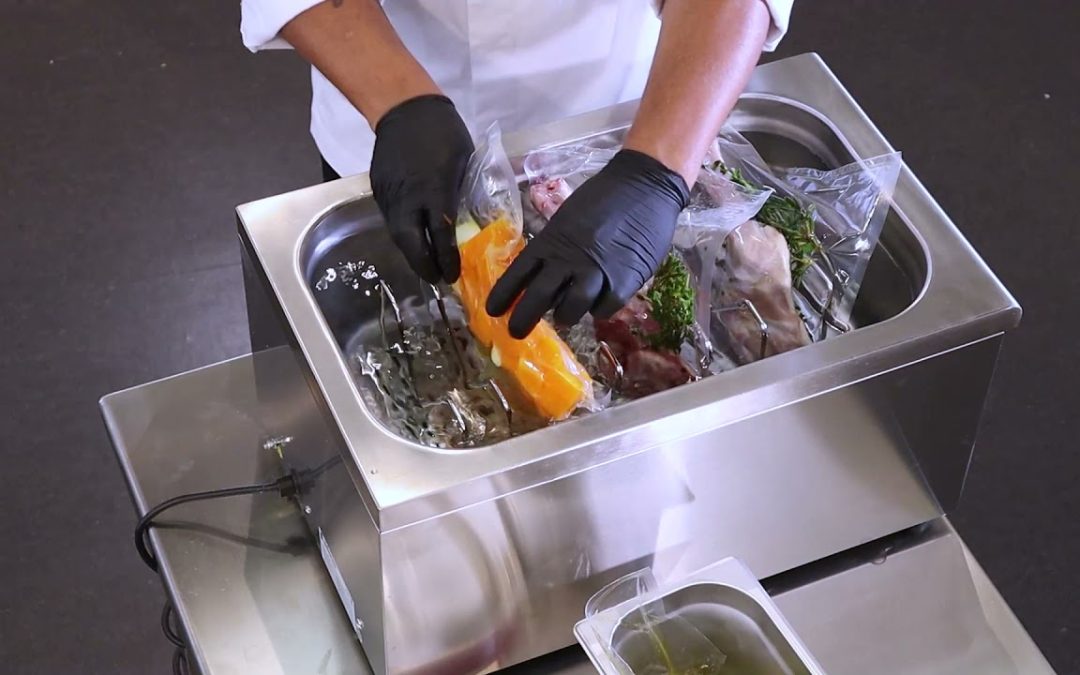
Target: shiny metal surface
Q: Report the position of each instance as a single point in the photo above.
(925, 608)
(483, 558)
(254, 596)
(242, 572)
(505, 579)
(959, 301)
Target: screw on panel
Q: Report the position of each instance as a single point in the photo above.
(276, 442)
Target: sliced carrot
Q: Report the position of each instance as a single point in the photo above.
(542, 364)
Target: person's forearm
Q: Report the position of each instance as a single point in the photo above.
(706, 52)
(353, 44)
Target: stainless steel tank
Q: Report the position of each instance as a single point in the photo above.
(472, 560)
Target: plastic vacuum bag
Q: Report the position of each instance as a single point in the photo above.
(849, 206)
(619, 349)
(851, 203)
(717, 202)
(753, 296)
(753, 301)
(628, 360)
(718, 205)
(556, 172)
(489, 191)
(489, 237)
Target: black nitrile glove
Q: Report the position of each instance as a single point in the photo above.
(600, 247)
(421, 149)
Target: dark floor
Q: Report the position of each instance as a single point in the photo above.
(131, 129)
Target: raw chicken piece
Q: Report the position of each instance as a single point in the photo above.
(645, 370)
(548, 195)
(757, 267)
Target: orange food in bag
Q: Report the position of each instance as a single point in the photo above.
(542, 364)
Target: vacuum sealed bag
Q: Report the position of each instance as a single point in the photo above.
(648, 345)
(831, 220)
(764, 260)
(652, 343)
(489, 237)
(718, 205)
(753, 299)
(554, 173)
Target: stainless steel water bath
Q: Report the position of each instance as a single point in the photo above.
(464, 561)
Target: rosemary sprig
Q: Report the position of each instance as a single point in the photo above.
(671, 296)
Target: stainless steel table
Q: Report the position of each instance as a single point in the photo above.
(254, 597)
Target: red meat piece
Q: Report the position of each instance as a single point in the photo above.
(644, 370)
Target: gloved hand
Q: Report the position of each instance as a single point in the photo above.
(421, 150)
(599, 248)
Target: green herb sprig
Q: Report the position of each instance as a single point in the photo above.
(791, 219)
(672, 298)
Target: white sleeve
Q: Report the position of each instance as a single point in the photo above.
(779, 12)
(262, 20)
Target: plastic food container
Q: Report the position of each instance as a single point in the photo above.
(719, 621)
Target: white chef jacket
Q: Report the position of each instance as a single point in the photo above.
(519, 62)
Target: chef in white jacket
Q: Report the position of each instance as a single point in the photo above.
(397, 84)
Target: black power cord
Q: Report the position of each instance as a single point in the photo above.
(287, 486)
(171, 634)
(180, 660)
